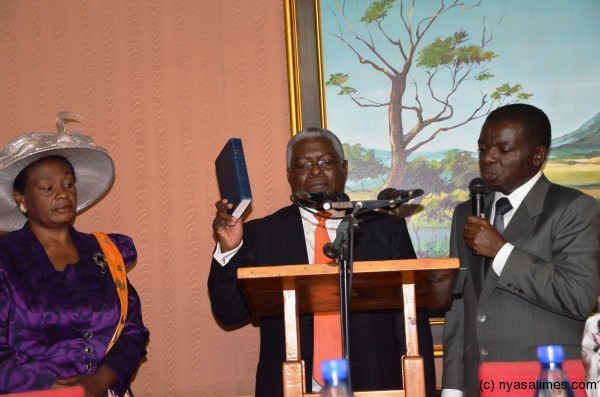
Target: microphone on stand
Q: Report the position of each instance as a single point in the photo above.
(393, 194)
(319, 197)
(334, 249)
(322, 199)
(340, 201)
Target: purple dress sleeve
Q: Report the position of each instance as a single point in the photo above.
(58, 324)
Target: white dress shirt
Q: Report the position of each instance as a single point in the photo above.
(515, 198)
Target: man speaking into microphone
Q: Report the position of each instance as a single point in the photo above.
(316, 171)
(532, 264)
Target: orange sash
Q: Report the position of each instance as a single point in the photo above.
(117, 270)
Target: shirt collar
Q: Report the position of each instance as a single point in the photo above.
(310, 217)
(518, 195)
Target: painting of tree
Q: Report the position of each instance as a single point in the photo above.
(363, 164)
(407, 85)
(424, 76)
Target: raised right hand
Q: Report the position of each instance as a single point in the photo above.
(228, 230)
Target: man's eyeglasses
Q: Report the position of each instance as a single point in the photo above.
(305, 168)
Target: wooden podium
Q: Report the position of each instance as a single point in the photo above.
(294, 289)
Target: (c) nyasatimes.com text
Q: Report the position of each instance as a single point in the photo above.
(533, 385)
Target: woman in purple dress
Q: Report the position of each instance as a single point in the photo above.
(59, 305)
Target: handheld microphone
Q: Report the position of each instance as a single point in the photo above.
(478, 189)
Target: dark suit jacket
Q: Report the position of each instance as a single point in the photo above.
(544, 294)
(376, 338)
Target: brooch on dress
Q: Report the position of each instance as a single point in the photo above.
(101, 261)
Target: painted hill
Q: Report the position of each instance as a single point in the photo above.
(586, 137)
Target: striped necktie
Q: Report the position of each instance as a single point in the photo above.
(502, 207)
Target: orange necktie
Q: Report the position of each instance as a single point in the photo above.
(327, 326)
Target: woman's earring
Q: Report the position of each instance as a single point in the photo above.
(22, 208)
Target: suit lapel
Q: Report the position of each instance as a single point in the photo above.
(295, 243)
(520, 225)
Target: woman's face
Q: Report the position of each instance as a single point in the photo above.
(50, 195)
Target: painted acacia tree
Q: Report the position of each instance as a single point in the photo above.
(363, 164)
(451, 60)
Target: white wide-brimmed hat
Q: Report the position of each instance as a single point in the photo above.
(94, 169)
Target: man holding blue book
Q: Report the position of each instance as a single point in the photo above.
(294, 235)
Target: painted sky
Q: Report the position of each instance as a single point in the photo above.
(551, 47)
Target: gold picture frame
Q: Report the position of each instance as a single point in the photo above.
(305, 66)
(306, 85)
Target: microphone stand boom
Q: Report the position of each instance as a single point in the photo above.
(342, 249)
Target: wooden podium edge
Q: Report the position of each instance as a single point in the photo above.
(358, 267)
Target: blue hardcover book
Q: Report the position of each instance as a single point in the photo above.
(232, 176)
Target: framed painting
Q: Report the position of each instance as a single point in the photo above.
(406, 85)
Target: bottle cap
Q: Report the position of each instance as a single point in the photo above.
(550, 354)
(334, 370)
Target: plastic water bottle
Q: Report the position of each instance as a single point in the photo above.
(552, 381)
(335, 375)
